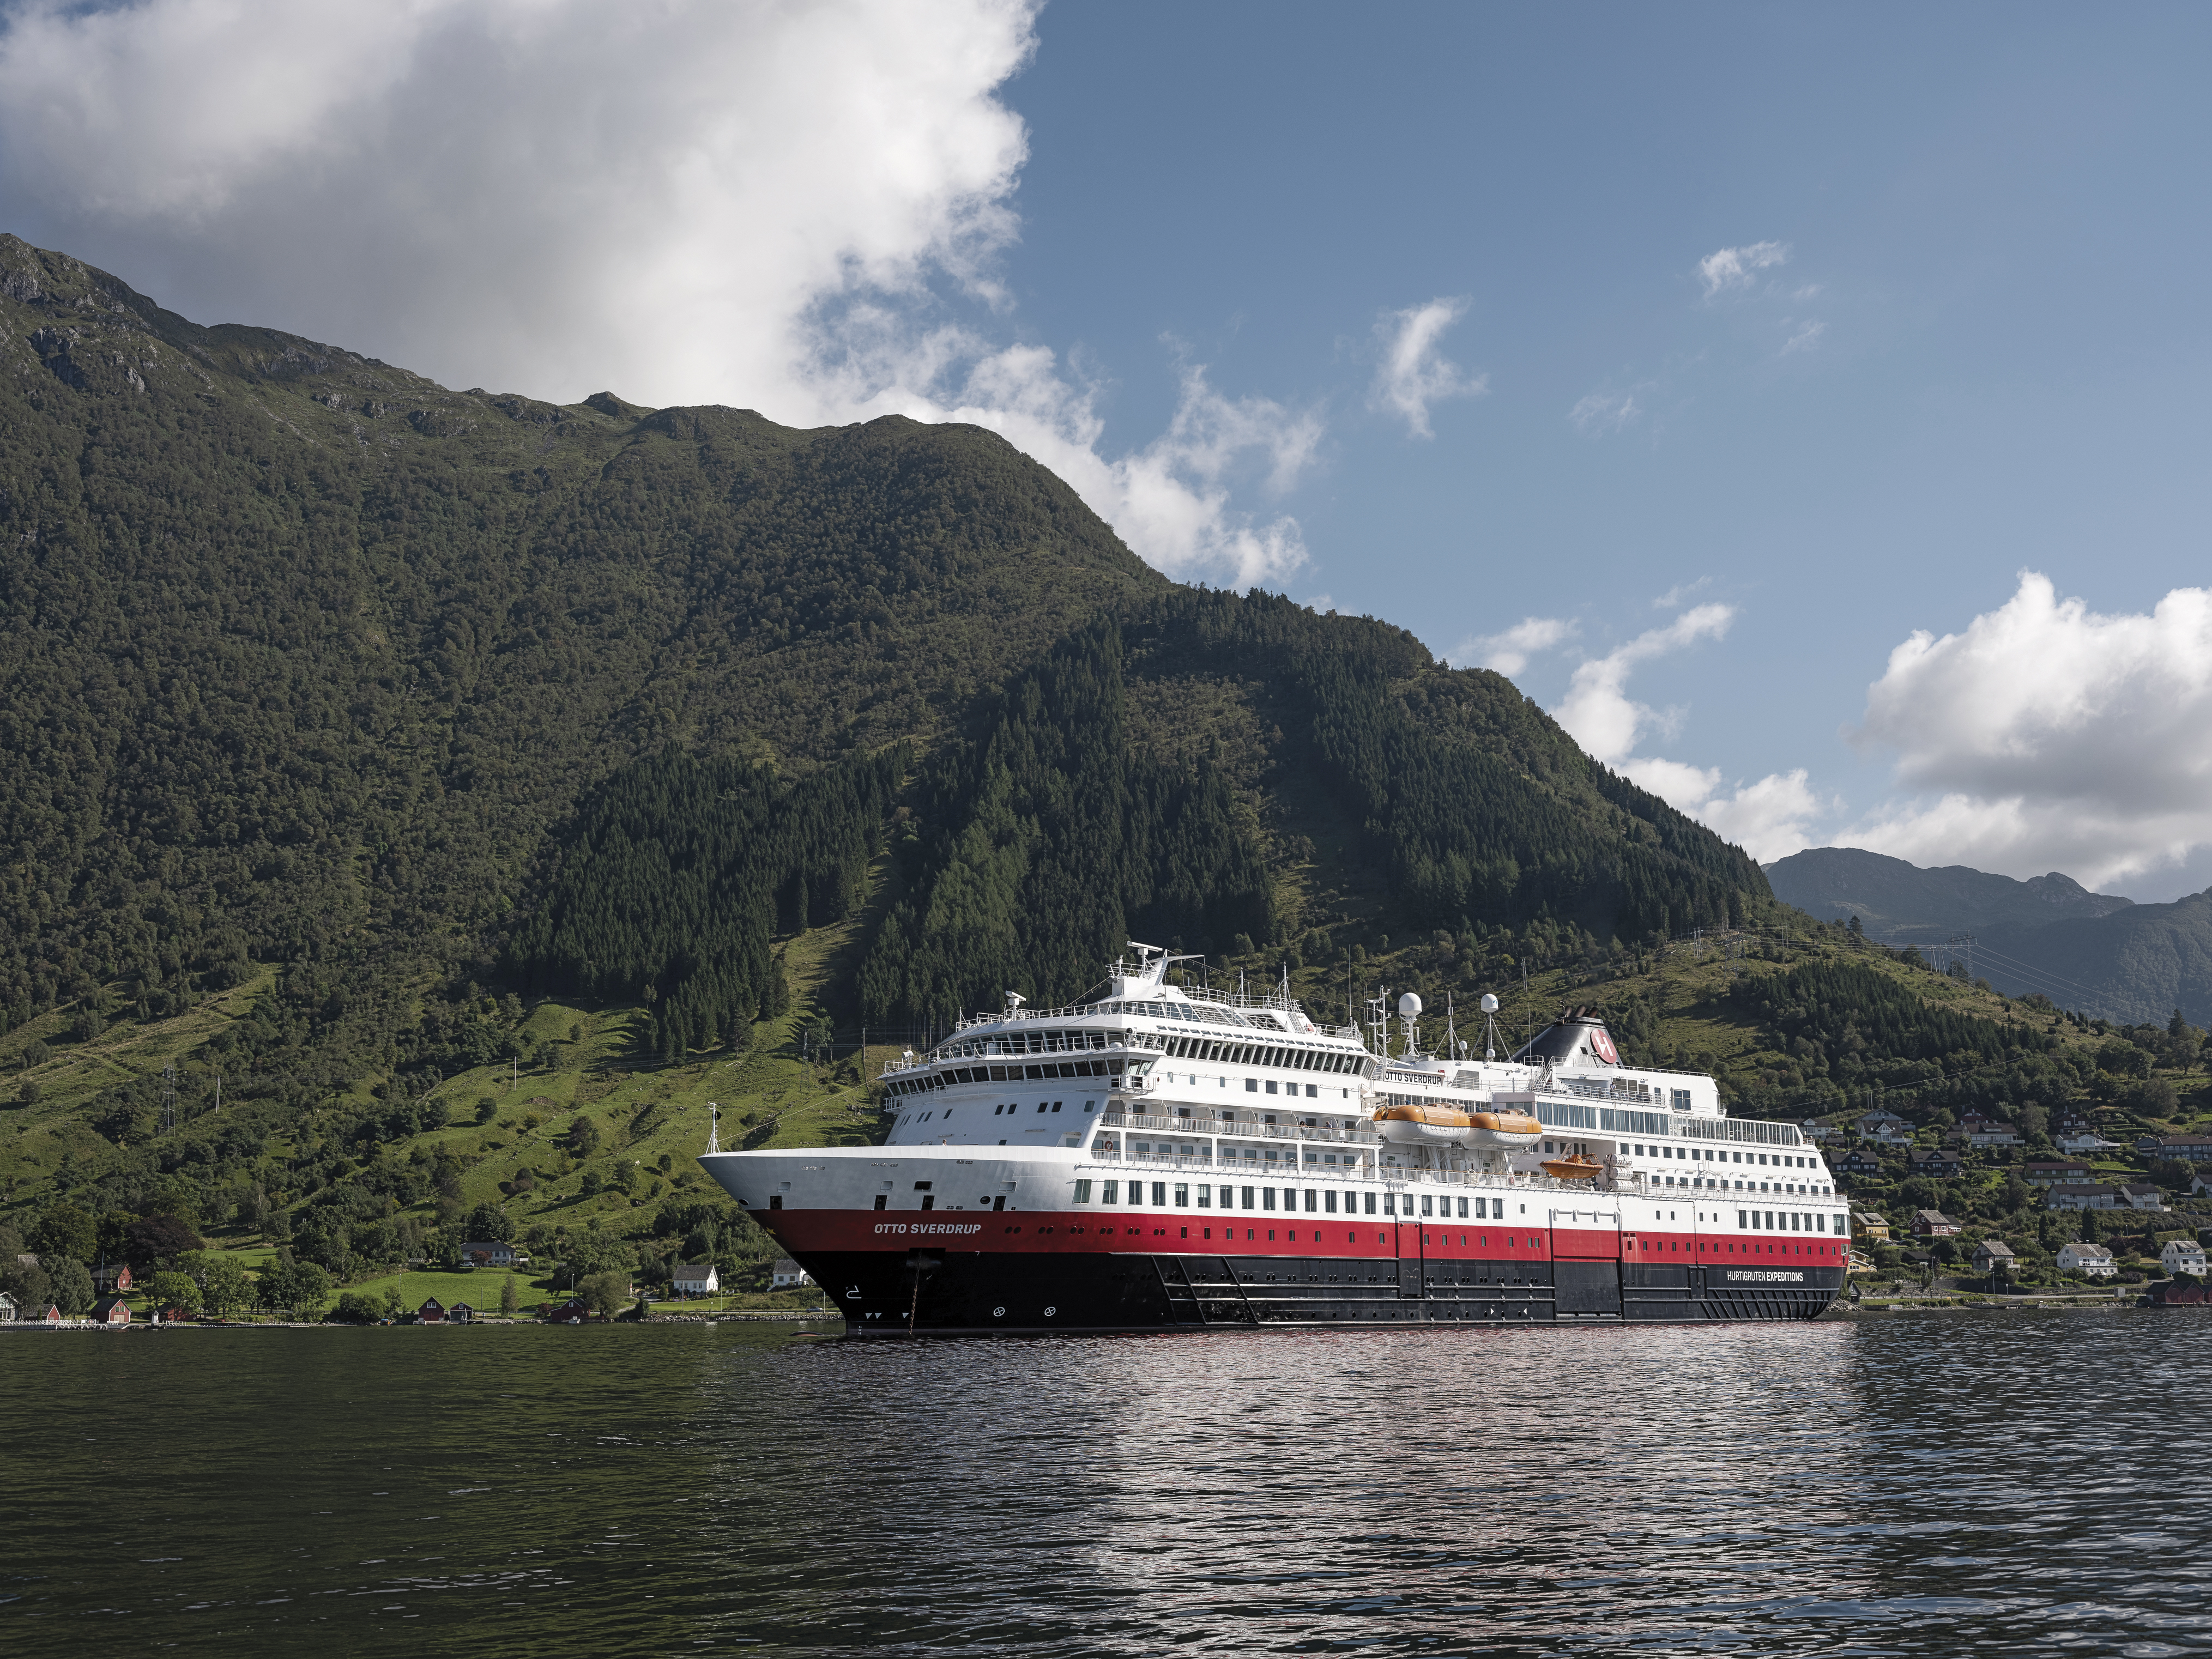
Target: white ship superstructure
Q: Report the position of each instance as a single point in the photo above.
(1164, 1156)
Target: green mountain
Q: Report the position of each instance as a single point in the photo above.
(2103, 955)
(372, 748)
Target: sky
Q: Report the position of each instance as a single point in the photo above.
(1804, 405)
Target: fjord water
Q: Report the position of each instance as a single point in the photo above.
(1992, 1483)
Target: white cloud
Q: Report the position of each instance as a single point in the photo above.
(1411, 374)
(1733, 267)
(1680, 593)
(1509, 653)
(1805, 338)
(1604, 411)
(2046, 736)
(781, 207)
(1769, 819)
(1598, 712)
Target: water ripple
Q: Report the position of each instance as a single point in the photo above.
(1924, 1486)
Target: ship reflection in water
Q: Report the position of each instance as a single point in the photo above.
(2000, 1483)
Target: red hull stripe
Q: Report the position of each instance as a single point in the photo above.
(1042, 1233)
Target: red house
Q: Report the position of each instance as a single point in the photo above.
(432, 1312)
(571, 1312)
(111, 1311)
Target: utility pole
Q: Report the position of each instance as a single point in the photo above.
(169, 1097)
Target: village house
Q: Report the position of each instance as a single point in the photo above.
(8, 1310)
(787, 1275)
(2143, 1196)
(701, 1279)
(111, 1311)
(2185, 1148)
(1993, 1255)
(2085, 1141)
(1935, 1163)
(1885, 1127)
(2183, 1256)
(2056, 1172)
(2072, 1195)
(1872, 1226)
(1933, 1224)
(460, 1314)
(2202, 1184)
(571, 1312)
(1857, 1162)
(487, 1253)
(112, 1281)
(432, 1312)
(2092, 1260)
(1978, 1131)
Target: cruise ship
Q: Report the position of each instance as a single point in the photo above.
(1165, 1157)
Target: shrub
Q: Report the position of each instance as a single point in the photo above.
(355, 1309)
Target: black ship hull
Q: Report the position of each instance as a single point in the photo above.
(952, 1292)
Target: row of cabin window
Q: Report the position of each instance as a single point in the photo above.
(1791, 1221)
(1711, 1155)
(1004, 1106)
(1025, 1042)
(1318, 1200)
(1251, 1054)
(1287, 1155)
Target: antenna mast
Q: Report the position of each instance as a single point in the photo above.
(169, 1095)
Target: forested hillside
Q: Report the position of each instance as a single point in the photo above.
(377, 752)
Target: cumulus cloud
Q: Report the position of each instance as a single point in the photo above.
(1604, 411)
(1412, 375)
(1736, 267)
(1508, 652)
(782, 207)
(1770, 818)
(1598, 711)
(2046, 736)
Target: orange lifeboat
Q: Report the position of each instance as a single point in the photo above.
(1573, 1167)
(1447, 1123)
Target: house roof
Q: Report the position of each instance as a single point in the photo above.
(2082, 1188)
(1997, 1248)
(2184, 1140)
(702, 1270)
(2133, 1187)
(2086, 1252)
(1934, 1217)
(491, 1246)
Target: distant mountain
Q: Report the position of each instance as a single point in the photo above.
(1901, 903)
(2097, 952)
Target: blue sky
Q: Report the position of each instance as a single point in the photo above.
(1717, 350)
(2000, 209)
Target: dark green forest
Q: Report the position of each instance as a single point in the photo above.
(348, 718)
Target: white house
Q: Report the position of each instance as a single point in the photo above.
(2081, 1197)
(2086, 1141)
(2093, 1259)
(1886, 1128)
(701, 1280)
(2183, 1256)
(787, 1275)
(2143, 1195)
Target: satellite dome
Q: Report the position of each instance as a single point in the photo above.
(1489, 1003)
(1408, 1006)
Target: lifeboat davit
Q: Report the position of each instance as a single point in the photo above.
(1573, 1167)
(1450, 1125)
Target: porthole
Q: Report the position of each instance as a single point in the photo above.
(998, 1313)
